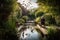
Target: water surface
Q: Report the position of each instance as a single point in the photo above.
(30, 34)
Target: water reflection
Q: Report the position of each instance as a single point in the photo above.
(29, 34)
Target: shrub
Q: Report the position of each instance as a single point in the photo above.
(25, 18)
(37, 20)
(8, 31)
(21, 21)
(53, 34)
(31, 16)
(49, 20)
(39, 14)
(58, 20)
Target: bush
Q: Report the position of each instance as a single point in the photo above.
(37, 20)
(21, 21)
(53, 34)
(58, 20)
(39, 14)
(6, 34)
(49, 20)
(31, 16)
(25, 18)
(8, 31)
(7, 27)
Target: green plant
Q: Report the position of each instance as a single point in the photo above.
(39, 14)
(25, 18)
(53, 34)
(8, 31)
(58, 20)
(37, 20)
(21, 21)
(49, 20)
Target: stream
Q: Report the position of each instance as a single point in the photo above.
(29, 34)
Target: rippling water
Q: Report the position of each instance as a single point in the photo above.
(29, 34)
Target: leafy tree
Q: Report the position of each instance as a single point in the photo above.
(7, 25)
(50, 7)
(6, 7)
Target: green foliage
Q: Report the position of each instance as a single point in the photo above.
(6, 34)
(7, 5)
(53, 34)
(7, 24)
(25, 18)
(57, 20)
(31, 16)
(50, 7)
(37, 20)
(19, 14)
(39, 14)
(50, 2)
(6, 8)
(8, 31)
(21, 21)
(49, 20)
